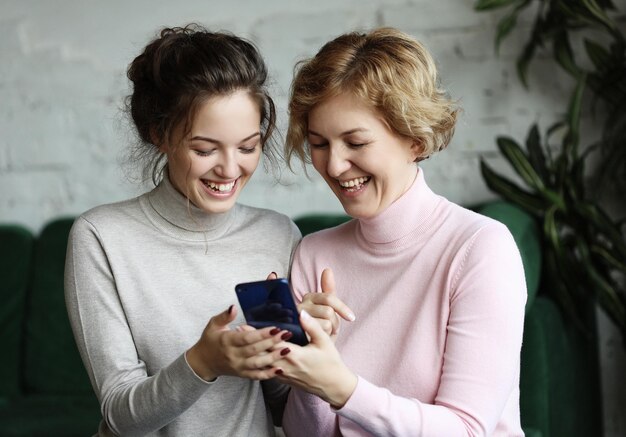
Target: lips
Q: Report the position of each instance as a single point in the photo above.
(220, 188)
(353, 185)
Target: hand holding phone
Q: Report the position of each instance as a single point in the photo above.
(270, 303)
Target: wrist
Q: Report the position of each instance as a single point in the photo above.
(198, 365)
(342, 389)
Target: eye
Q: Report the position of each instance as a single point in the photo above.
(203, 152)
(317, 145)
(248, 149)
(356, 145)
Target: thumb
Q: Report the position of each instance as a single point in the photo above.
(314, 329)
(221, 321)
(327, 281)
(271, 276)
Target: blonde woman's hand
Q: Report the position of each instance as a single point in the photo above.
(317, 367)
(326, 307)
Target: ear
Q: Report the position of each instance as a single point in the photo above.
(154, 139)
(415, 150)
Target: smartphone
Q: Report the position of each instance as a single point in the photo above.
(270, 303)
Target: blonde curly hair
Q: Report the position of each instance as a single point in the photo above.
(389, 71)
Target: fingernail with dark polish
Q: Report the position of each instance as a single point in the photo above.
(278, 372)
(274, 273)
(286, 336)
(285, 351)
(230, 309)
(274, 331)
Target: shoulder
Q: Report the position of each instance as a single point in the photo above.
(467, 226)
(118, 215)
(467, 238)
(268, 221)
(483, 243)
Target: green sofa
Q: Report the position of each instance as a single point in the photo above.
(44, 388)
(45, 391)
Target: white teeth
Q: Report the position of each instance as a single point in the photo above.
(354, 182)
(220, 187)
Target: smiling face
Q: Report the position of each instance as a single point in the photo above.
(367, 165)
(214, 162)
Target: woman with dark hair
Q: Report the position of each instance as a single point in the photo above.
(438, 291)
(144, 276)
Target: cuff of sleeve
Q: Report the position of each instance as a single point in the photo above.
(192, 377)
(365, 403)
(361, 392)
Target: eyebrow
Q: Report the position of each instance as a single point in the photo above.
(214, 141)
(348, 132)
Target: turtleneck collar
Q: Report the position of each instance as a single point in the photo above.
(180, 218)
(408, 214)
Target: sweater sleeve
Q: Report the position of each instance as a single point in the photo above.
(132, 402)
(482, 351)
(480, 373)
(306, 414)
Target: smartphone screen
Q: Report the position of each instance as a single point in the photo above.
(270, 303)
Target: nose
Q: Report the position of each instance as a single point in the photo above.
(227, 167)
(338, 162)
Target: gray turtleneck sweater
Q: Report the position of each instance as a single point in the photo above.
(143, 277)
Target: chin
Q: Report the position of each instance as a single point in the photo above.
(212, 206)
(357, 213)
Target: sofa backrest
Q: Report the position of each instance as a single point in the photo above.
(316, 222)
(52, 364)
(16, 247)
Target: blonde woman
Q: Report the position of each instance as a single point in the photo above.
(438, 291)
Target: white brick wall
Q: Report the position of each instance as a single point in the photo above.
(62, 81)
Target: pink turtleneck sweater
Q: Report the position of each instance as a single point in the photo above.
(439, 294)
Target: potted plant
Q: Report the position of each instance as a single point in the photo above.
(585, 251)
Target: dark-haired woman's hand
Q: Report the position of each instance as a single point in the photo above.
(326, 307)
(244, 352)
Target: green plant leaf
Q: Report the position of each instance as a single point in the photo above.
(607, 257)
(608, 297)
(603, 224)
(598, 13)
(612, 169)
(564, 55)
(524, 61)
(535, 154)
(507, 23)
(577, 175)
(555, 127)
(550, 230)
(606, 4)
(486, 5)
(571, 140)
(520, 163)
(508, 190)
(598, 55)
(518, 159)
(605, 293)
